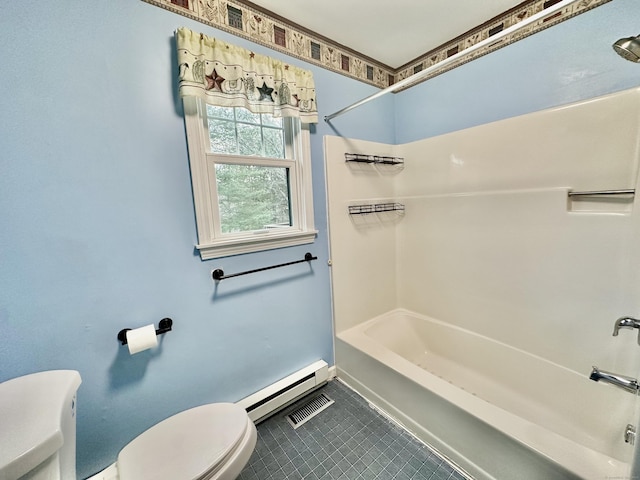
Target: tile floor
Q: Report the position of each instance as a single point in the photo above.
(348, 440)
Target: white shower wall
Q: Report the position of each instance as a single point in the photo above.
(363, 247)
(489, 240)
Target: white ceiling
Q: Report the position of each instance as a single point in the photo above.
(393, 33)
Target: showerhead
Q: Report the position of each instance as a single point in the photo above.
(628, 48)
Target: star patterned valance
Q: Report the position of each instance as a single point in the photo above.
(225, 75)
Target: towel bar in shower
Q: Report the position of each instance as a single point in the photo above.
(593, 193)
(218, 273)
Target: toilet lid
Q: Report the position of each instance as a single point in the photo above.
(185, 446)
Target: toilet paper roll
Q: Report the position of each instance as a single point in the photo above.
(142, 338)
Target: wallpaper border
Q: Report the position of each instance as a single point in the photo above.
(246, 20)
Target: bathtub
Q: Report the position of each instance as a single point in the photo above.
(496, 411)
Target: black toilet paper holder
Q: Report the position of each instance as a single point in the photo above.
(163, 327)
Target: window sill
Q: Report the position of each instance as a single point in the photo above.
(225, 248)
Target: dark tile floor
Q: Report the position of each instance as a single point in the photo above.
(348, 440)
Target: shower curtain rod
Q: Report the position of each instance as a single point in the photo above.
(547, 12)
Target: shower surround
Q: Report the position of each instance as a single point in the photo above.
(473, 314)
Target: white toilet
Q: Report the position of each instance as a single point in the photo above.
(38, 436)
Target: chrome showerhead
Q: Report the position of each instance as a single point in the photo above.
(628, 48)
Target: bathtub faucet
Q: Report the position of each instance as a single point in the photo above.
(626, 383)
(626, 322)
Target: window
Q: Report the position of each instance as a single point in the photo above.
(251, 176)
(247, 122)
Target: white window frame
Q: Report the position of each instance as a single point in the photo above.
(212, 243)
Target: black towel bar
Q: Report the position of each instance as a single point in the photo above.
(218, 273)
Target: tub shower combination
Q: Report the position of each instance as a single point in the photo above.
(478, 311)
(488, 401)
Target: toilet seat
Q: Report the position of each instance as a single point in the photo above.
(192, 445)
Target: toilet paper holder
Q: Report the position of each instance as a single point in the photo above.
(164, 326)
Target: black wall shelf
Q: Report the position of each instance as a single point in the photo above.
(360, 158)
(375, 208)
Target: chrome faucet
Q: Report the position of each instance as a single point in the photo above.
(626, 322)
(626, 383)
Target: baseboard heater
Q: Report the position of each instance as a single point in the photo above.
(279, 395)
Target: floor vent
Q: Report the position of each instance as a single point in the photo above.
(309, 410)
(285, 392)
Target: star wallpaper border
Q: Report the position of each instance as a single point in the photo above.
(248, 21)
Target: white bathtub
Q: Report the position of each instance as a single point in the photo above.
(498, 412)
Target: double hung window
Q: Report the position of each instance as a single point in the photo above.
(247, 120)
(251, 176)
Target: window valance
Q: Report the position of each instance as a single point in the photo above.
(226, 75)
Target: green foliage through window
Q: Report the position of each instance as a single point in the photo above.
(251, 177)
(237, 131)
(252, 197)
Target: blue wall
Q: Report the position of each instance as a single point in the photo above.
(97, 228)
(571, 61)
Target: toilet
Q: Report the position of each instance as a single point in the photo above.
(38, 437)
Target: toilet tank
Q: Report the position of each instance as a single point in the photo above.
(38, 426)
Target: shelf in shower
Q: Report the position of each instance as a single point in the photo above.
(377, 159)
(375, 208)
